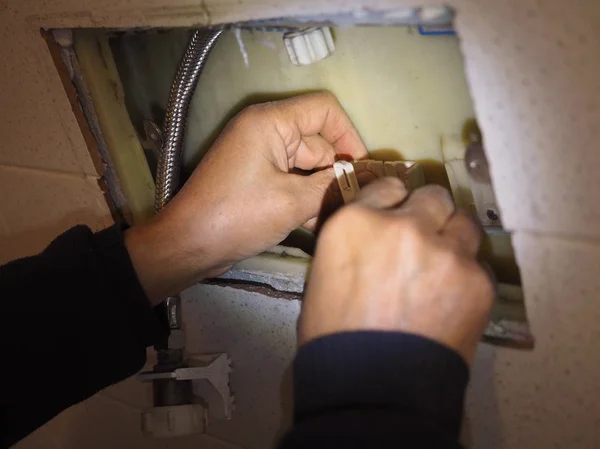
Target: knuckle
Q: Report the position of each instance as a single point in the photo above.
(351, 214)
(435, 197)
(409, 229)
(485, 284)
(435, 191)
(325, 95)
(481, 286)
(250, 114)
(468, 223)
(451, 260)
(382, 186)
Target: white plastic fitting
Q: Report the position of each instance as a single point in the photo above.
(309, 46)
(347, 182)
(434, 13)
(178, 420)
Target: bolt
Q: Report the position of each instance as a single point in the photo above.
(491, 214)
(476, 162)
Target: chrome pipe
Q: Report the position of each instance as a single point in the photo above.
(168, 172)
(182, 90)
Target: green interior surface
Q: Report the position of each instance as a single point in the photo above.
(406, 93)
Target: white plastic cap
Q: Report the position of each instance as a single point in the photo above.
(347, 181)
(308, 46)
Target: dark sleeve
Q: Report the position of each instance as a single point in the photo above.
(377, 390)
(74, 320)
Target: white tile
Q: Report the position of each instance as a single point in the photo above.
(259, 334)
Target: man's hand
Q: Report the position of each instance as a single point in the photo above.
(410, 268)
(243, 197)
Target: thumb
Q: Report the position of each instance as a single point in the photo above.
(317, 196)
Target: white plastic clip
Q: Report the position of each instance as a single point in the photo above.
(346, 178)
(310, 45)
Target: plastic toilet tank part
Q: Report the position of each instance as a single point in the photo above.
(310, 45)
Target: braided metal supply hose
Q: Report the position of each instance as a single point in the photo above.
(170, 160)
(182, 91)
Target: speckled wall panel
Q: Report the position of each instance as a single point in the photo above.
(549, 397)
(534, 78)
(258, 333)
(38, 205)
(535, 81)
(534, 74)
(37, 125)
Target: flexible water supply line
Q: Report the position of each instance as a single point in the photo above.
(182, 91)
(169, 164)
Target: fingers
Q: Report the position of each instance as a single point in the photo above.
(382, 194)
(312, 193)
(313, 152)
(364, 178)
(332, 199)
(463, 233)
(431, 206)
(319, 113)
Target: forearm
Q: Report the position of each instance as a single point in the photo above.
(74, 315)
(171, 252)
(377, 389)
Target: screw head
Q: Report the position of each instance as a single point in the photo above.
(491, 214)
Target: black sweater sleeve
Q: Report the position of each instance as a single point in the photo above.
(74, 320)
(377, 390)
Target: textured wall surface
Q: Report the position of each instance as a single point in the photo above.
(534, 73)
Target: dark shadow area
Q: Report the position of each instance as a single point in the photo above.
(286, 394)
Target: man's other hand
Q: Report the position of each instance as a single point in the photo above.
(391, 263)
